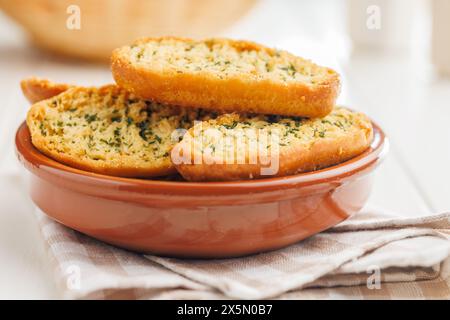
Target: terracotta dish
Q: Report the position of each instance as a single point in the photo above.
(215, 219)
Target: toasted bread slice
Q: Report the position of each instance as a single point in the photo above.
(108, 130)
(238, 147)
(35, 89)
(226, 75)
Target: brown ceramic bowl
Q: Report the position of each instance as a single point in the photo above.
(214, 219)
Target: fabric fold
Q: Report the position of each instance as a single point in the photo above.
(372, 255)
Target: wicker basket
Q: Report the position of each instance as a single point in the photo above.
(107, 24)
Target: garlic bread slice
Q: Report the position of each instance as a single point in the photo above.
(242, 147)
(35, 89)
(227, 75)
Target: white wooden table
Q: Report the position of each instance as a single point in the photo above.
(400, 93)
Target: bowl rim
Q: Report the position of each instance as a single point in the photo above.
(40, 164)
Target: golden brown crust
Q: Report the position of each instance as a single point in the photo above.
(301, 157)
(35, 89)
(235, 93)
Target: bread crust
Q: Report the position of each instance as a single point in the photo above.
(321, 153)
(235, 93)
(35, 89)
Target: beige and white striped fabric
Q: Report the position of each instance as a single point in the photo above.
(370, 256)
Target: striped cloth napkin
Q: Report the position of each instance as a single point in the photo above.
(370, 256)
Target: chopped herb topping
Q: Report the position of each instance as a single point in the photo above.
(42, 128)
(144, 129)
(231, 126)
(290, 70)
(90, 117)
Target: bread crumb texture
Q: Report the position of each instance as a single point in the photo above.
(109, 130)
(226, 59)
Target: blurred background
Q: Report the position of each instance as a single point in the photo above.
(393, 55)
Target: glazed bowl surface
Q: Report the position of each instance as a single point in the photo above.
(201, 220)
